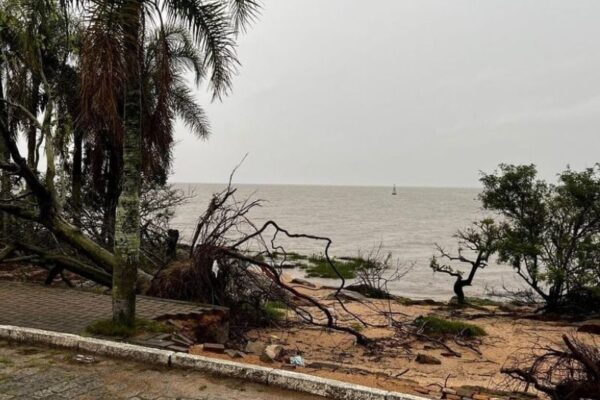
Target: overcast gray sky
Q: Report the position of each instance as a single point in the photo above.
(415, 93)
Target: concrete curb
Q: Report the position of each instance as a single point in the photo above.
(270, 376)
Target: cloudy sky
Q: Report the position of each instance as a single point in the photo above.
(412, 93)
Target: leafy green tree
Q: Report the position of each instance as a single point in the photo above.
(549, 233)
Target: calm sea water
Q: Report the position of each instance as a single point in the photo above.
(361, 218)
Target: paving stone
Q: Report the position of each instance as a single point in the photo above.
(71, 310)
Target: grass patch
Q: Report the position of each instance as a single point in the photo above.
(405, 301)
(439, 326)
(319, 267)
(107, 327)
(6, 361)
(290, 256)
(295, 256)
(370, 292)
(478, 301)
(275, 310)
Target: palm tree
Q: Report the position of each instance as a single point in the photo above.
(169, 54)
(112, 60)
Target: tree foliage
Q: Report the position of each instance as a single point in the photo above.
(549, 233)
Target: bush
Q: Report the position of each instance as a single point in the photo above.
(376, 270)
(433, 325)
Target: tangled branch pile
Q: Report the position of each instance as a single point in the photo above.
(238, 264)
(568, 373)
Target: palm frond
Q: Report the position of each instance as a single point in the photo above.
(103, 71)
(210, 24)
(244, 13)
(183, 53)
(190, 112)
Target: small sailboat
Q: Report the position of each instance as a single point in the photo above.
(394, 191)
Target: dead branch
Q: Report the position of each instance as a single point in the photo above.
(568, 373)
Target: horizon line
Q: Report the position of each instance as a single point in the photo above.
(326, 185)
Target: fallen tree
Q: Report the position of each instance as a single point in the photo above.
(235, 262)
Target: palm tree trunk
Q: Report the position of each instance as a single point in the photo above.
(114, 172)
(127, 232)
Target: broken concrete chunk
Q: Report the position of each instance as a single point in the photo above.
(176, 324)
(255, 347)
(213, 347)
(234, 353)
(180, 349)
(182, 340)
(271, 353)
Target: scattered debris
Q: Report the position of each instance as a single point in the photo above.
(176, 324)
(297, 361)
(274, 339)
(179, 349)
(427, 359)
(271, 353)
(255, 347)
(213, 347)
(182, 339)
(234, 353)
(82, 358)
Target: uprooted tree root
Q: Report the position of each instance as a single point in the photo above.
(570, 372)
(235, 263)
(238, 264)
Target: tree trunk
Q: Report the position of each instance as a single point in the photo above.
(77, 176)
(458, 290)
(111, 197)
(127, 232)
(5, 186)
(32, 130)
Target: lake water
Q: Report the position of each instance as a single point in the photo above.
(361, 218)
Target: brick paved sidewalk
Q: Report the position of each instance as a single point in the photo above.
(71, 310)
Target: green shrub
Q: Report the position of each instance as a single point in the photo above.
(274, 310)
(433, 325)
